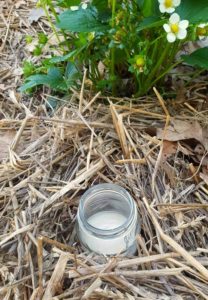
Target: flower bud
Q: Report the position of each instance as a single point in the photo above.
(140, 62)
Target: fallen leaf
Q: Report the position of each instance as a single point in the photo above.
(182, 130)
(169, 148)
(6, 139)
(199, 149)
(35, 14)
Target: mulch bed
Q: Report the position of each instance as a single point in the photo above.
(49, 161)
(155, 149)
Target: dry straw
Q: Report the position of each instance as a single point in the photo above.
(51, 161)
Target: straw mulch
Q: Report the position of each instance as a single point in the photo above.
(155, 149)
(51, 160)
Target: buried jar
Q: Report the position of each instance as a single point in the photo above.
(107, 220)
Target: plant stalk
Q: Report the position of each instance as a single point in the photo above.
(51, 23)
(57, 20)
(113, 49)
(158, 65)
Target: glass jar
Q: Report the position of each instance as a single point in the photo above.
(107, 220)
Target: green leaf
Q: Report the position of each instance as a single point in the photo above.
(42, 38)
(53, 79)
(194, 11)
(82, 20)
(150, 22)
(68, 3)
(28, 68)
(150, 8)
(51, 102)
(198, 58)
(58, 59)
(56, 79)
(140, 3)
(71, 74)
(33, 81)
(104, 12)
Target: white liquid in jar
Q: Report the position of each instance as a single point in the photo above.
(107, 220)
(113, 227)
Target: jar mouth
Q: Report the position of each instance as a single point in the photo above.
(118, 200)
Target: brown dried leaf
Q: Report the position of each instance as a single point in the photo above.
(169, 148)
(182, 130)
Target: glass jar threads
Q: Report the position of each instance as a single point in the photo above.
(107, 220)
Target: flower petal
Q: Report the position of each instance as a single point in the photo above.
(171, 37)
(176, 2)
(170, 10)
(202, 25)
(74, 8)
(203, 42)
(161, 1)
(174, 18)
(162, 8)
(182, 33)
(183, 24)
(167, 28)
(84, 5)
(201, 37)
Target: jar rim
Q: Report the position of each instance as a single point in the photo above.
(101, 188)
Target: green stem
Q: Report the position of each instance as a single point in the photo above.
(138, 82)
(165, 72)
(53, 12)
(158, 65)
(113, 49)
(168, 62)
(175, 49)
(155, 49)
(52, 25)
(57, 20)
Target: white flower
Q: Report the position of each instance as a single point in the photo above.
(176, 29)
(74, 8)
(84, 5)
(168, 5)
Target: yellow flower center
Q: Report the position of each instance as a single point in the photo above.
(201, 31)
(168, 3)
(174, 28)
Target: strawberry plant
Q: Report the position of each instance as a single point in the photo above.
(127, 46)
